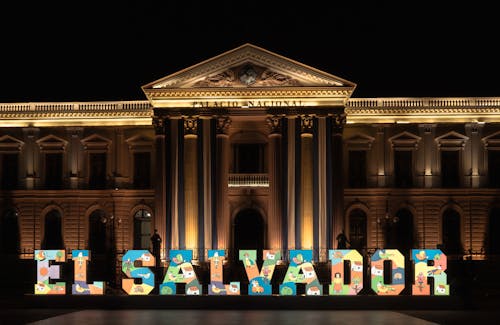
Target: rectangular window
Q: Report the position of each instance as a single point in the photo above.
(357, 168)
(494, 168)
(9, 171)
(450, 173)
(142, 170)
(97, 170)
(53, 170)
(403, 168)
(248, 158)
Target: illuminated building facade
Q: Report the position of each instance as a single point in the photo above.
(250, 149)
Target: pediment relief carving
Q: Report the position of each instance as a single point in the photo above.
(452, 140)
(405, 140)
(270, 69)
(247, 75)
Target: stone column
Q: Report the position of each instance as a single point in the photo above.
(474, 131)
(380, 153)
(291, 199)
(207, 184)
(31, 156)
(75, 134)
(306, 182)
(275, 176)
(160, 221)
(174, 182)
(338, 122)
(221, 189)
(322, 197)
(427, 132)
(191, 183)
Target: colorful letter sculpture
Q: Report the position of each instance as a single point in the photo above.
(81, 287)
(397, 272)
(259, 283)
(180, 270)
(138, 272)
(301, 270)
(421, 260)
(45, 272)
(217, 286)
(337, 258)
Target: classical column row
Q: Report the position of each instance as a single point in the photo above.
(305, 209)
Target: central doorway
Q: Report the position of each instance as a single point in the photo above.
(248, 233)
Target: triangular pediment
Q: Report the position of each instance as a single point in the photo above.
(405, 140)
(247, 71)
(452, 139)
(359, 141)
(452, 136)
(52, 142)
(139, 141)
(96, 141)
(492, 140)
(8, 143)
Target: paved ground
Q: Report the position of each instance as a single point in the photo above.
(243, 317)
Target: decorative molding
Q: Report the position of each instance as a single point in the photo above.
(492, 141)
(451, 141)
(96, 142)
(9, 144)
(190, 125)
(275, 123)
(359, 141)
(306, 124)
(247, 75)
(52, 143)
(222, 124)
(243, 55)
(159, 124)
(338, 123)
(404, 141)
(139, 142)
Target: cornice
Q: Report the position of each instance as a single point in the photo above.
(314, 101)
(423, 110)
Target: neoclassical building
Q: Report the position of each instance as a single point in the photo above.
(250, 149)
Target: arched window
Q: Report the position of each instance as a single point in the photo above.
(452, 243)
(142, 229)
(97, 232)
(52, 236)
(401, 232)
(357, 228)
(9, 227)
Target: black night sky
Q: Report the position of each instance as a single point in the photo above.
(80, 51)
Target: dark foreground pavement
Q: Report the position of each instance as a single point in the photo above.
(241, 310)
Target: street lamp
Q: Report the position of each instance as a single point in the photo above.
(386, 222)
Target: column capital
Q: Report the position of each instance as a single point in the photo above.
(474, 127)
(159, 123)
(275, 124)
(190, 125)
(306, 124)
(222, 124)
(338, 122)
